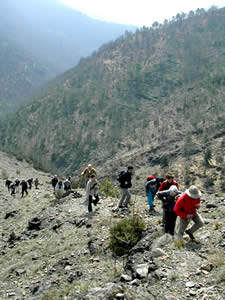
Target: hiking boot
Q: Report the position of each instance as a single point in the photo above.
(190, 235)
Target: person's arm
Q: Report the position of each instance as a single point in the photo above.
(84, 172)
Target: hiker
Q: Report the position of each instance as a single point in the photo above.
(125, 183)
(36, 183)
(165, 185)
(87, 172)
(54, 181)
(151, 187)
(168, 199)
(24, 188)
(70, 180)
(59, 185)
(7, 183)
(67, 185)
(92, 191)
(17, 183)
(30, 181)
(186, 208)
(13, 188)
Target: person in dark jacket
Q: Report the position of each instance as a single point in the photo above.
(13, 188)
(125, 184)
(17, 183)
(168, 199)
(67, 185)
(30, 181)
(24, 188)
(54, 181)
(7, 183)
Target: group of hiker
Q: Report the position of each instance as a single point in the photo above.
(62, 185)
(13, 186)
(174, 202)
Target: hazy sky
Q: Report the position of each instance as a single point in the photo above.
(138, 12)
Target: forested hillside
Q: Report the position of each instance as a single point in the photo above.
(41, 39)
(159, 91)
(21, 74)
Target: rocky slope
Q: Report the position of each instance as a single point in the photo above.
(67, 255)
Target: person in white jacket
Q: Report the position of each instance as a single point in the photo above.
(92, 191)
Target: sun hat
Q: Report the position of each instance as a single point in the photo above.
(193, 192)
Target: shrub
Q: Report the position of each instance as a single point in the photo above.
(107, 189)
(125, 234)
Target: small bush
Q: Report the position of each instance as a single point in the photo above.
(179, 244)
(125, 234)
(17, 172)
(107, 189)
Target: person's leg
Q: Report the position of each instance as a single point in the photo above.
(198, 222)
(127, 200)
(172, 222)
(96, 200)
(123, 195)
(182, 226)
(90, 203)
(166, 220)
(150, 199)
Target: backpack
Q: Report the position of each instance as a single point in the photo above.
(150, 177)
(120, 174)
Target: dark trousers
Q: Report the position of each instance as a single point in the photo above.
(169, 221)
(90, 200)
(25, 192)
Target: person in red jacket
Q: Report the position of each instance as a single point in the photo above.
(186, 208)
(165, 185)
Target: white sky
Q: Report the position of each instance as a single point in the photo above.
(138, 12)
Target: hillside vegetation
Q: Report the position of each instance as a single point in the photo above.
(41, 39)
(148, 98)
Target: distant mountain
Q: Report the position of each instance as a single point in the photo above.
(49, 35)
(158, 92)
(21, 74)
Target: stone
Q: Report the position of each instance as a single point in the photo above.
(157, 252)
(135, 282)
(119, 296)
(141, 270)
(190, 284)
(20, 272)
